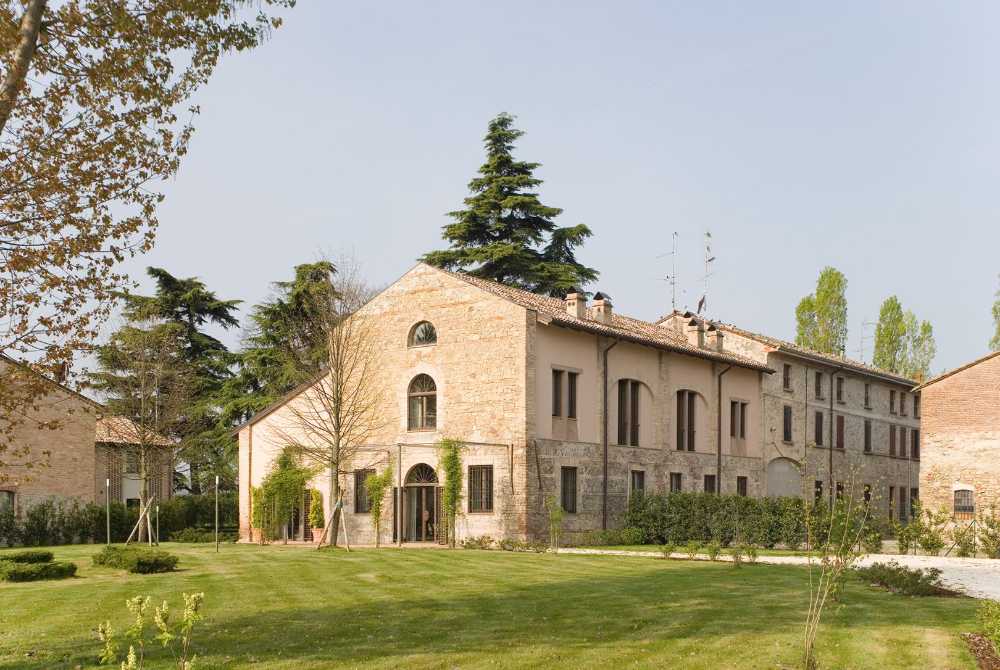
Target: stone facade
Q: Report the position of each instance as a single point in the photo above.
(960, 422)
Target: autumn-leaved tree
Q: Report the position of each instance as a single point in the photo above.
(821, 317)
(94, 115)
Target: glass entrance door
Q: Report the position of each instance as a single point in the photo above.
(420, 514)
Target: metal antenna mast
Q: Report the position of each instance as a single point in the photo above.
(861, 345)
(709, 259)
(672, 277)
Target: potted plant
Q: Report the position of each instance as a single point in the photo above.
(316, 518)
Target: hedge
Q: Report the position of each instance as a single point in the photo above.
(30, 572)
(136, 559)
(28, 556)
(203, 535)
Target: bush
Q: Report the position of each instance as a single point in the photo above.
(692, 548)
(989, 534)
(316, 516)
(964, 537)
(136, 559)
(482, 542)
(989, 618)
(871, 541)
(28, 556)
(737, 551)
(751, 551)
(31, 572)
(713, 549)
(903, 580)
(668, 549)
(633, 536)
(196, 535)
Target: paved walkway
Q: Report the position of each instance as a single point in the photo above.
(976, 577)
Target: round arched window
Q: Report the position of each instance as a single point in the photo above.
(423, 334)
(422, 404)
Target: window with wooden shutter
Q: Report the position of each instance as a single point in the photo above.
(818, 429)
(568, 489)
(710, 484)
(741, 486)
(787, 423)
(571, 378)
(480, 488)
(892, 440)
(868, 436)
(676, 481)
(840, 431)
(557, 376)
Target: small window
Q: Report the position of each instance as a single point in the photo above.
(819, 385)
(734, 417)
(423, 334)
(571, 394)
(840, 389)
(868, 436)
(902, 403)
(362, 505)
(638, 483)
(686, 420)
(568, 489)
(818, 429)
(902, 442)
(965, 505)
(557, 376)
(840, 431)
(915, 444)
(422, 403)
(892, 402)
(741, 486)
(817, 490)
(892, 440)
(676, 481)
(916, 406)
(480, 488)
(710, 484)
(786, 377)
(628, 412)
(868, 396)
(787, 424)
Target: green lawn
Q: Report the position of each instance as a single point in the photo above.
(680, 549)
(283, 607)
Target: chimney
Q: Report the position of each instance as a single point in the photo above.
(576, 304)
(696, 333)
(714, 338)
(601, 311)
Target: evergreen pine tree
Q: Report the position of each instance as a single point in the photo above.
(505, 233)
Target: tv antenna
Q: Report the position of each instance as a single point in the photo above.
(864, 338)
(709, 259)
(672, 277)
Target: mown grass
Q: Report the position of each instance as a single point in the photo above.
(283, 607)
(681, 548)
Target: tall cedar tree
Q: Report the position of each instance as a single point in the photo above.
(995, 340)
(282, 346)
(189, 304)
(95, 115)
(821, 318)
(903, 344)
(505, 233)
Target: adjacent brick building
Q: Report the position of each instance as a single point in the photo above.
(960, 422)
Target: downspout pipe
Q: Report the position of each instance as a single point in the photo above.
(604, 432)
(718, 431)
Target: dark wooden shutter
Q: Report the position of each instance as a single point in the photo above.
(681, 410)
(634, 415)
(623, 411)
(690, 420)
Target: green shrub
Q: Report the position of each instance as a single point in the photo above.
(316, 517)
(481, 542)
(737, 552)
(197, 535)
(903, 580)
(751, 551)
(871, 541)
(136, 559)
(964, 537)
(28, 556)
(989, 533)
(692, 548)
(633, 535)
(30, 572)
(989, 618)
(668, 549)
(713, 549)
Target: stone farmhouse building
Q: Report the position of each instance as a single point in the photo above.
(842, 424)
(960, 421)
(82, 446)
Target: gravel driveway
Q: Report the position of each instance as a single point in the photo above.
(976, 577)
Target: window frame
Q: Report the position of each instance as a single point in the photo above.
(868, 436)
(742, 485)
(679, 479)
(686, 420)
(787, 424)
(568, 495)
(968, 510)
(915, 444)
(411, 338)
(868, 395)
(571, 390)
(818, 382)
(840, 390)
(362, 504)
(557, 377)
(840, 430)
(818, 421)
(634, 477)
(480, 488)
(427, 399)
(710, 477)
(786, 377)
(629, 400)
(892, 401)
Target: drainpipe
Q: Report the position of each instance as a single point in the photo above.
(604, 433)
(718, 430)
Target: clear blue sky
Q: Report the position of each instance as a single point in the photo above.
(862, 135)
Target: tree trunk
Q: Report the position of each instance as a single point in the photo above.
(143, 493)
(334, 499)
(31, 24)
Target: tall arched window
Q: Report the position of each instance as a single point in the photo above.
(422, 334)
(686, 420)
(422, 404)
(628, 411)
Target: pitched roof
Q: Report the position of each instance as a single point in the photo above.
(119, 430)
(621, 327)
(798, 350)
(21, 365)
(981, 359)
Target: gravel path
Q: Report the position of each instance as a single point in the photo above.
(976, 577)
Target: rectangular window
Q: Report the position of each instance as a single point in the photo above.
(709, 483)
(743, 420)
(819, 385)
(902, 403)
(787, 424)
(840, 431)
(916, 406)
(628, 412)
(892, 501)
(868, 436)
(557, 376)
(840, 389)
(892, 440)
(902, 441)
(786, 377)
(741, 486)
(638, 482)
(868, 396)
(734, 417)
(571, 394)
(915, 444)
(568, 489)
(818, 429)
(965, 505)
(892, 402)
(362, 505)
(480, 488)
(902, 504)
(817, 490)
(685, 420)
(676, 481)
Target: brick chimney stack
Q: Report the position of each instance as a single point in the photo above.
(576, 304)
(601, 311)
(696, 333)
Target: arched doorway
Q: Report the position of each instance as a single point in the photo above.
(421, 502)
(783, 478)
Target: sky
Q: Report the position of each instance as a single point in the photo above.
(861, 135)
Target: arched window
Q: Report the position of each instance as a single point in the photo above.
(628, 411)
(423, 334)
(965, 505)
(686, 420)
(421, 473)
(422, 404)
